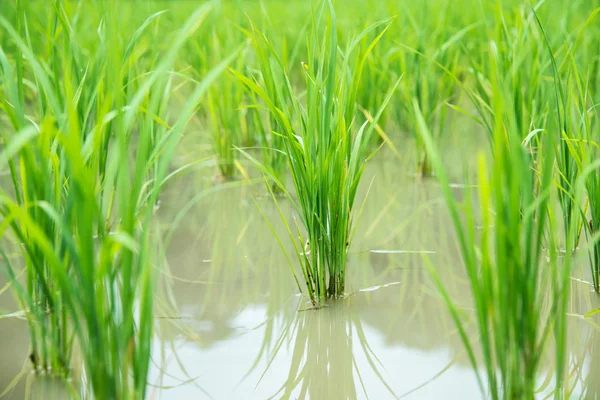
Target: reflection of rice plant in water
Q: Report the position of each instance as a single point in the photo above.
(592, 385)
(584, 367)
(82, 205)
(510, 276)
(323, 356)
(325, 155)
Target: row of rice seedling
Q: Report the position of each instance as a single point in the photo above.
(517, 90)
(441, 52)
(88, 155)
(92, 132)
(519, 284)
(538, 112)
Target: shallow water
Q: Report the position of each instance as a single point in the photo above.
(231, 325)
(247, 334)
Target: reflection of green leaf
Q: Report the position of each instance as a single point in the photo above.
(323, 353)
(596, 311)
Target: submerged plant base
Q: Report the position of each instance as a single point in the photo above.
(46, 370)
(425, 170)
(320, 302)
(326, 302)
(219, 179)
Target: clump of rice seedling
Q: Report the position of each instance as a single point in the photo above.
(432, 71)
(519, 291)
(82, 204)
(35, 176)
(583, 146)
(516, 47)
(515, 57)
(577, 123)
(265, 125)
(224, 105)
(591, 174)
(566, 164)
(378, 73)
(325, 154)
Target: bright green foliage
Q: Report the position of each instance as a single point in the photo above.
(519, 290)
(89, 119)
(583, 147)
(431, 88)
(325, 153)
(513, 52)
(590, 155)
(519, 285)
(225, 104)
(577, 127)
(87, 161)
(379, 73)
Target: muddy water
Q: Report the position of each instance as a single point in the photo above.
(231, 325)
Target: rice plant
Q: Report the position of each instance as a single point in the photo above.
(426, 69)
(517, 47)
(582, 145)
(95, 96)
(518, 284)
(378, 72)
(579, 146)
(268, 132)
(87, 170)
(325, 154)
(224, 104)
(515, 56)
(592, 179)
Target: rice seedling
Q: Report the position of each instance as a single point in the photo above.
(224, 103)
(579, 151)
(582, 144)
(519, 291)
(265, 126)
(515, 57)
(325, 156)
(517, 47)
(592, 182)
(566, 164)
(426, 68)
(378, 73)
(270, 142)
(82, 204)
(95, 96)
(538, 107)
(233, 122)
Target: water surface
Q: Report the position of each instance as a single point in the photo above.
(231, 324)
